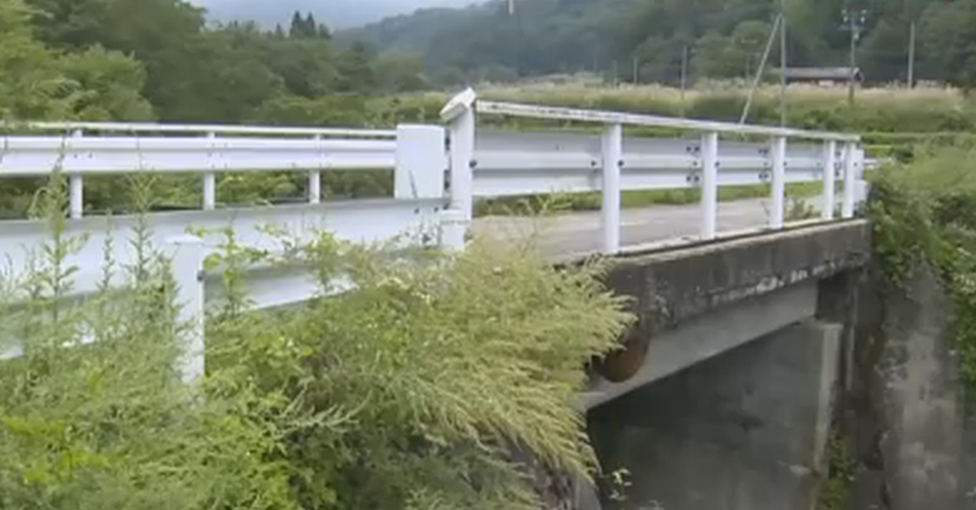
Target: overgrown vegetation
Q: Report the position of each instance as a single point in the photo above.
(419, 387)
(841, 470)
(925, 215)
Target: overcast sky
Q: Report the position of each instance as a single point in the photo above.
(335, 13)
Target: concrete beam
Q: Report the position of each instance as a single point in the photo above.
(672, 286)
(709, 335)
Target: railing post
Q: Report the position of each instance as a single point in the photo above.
(187, 255)
(76, 188)
(830, 179)
(453, 227)
(709, 197)
(210, 182)
(460, 115)
(315, 181)
(850, 179)
(420, 162)
(779, 182)
(612, 161)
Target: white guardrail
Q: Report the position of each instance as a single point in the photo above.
(479, 163)
(485, 164)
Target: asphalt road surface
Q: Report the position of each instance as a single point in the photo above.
(579, 233)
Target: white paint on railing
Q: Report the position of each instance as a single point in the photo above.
(778, 154)
(220, 129)
(359, 221)
(453, 228)
(605, 117)
(612, 162)
(38, 155)
(460, 117)
(315, 181)
(830, 179)
(187, 255)
(709, 183)
(76, 189)
(522, 163)
(850, 178)
(420, 162)
(314, 187)
(209, 178)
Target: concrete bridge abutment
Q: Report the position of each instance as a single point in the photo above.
(725, 396)
(743, 430)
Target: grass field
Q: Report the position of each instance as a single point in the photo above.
(876, 110)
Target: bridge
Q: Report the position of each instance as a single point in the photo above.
(746, 316)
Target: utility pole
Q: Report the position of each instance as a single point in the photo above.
(762, 68)
(511, 7)
(782, 63)
(684, 76)
(636, 72)
(911, 56)
(854, 21)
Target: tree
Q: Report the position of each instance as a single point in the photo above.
(36, 83)
(308, 67)
(112, 85)
(304, 28)
(355, 71)
(947, 36)
(748, 42)
(400, 72)
(310, 27)
(297, 29)
(324, 32)
(883, 54)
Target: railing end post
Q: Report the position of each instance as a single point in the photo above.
(421, 160)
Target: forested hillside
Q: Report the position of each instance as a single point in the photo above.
(725, 37)
(156, 59)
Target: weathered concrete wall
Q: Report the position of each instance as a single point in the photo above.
(741, 431)
(669, 288)
(672, 286)
(905, 415)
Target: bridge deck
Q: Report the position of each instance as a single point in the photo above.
(573, 234)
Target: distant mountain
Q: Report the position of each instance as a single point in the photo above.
(337, 14)
(418, 30)
(485, 41)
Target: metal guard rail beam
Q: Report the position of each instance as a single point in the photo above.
(415, 153)
(603, 117)
(38, 155)
(217, 129)
(612, 174)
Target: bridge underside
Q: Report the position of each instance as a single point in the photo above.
(745, 430)
(722, 399)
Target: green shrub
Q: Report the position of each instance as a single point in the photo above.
(925, 214)
(421, 386)
(444, 366)
(93, 414)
